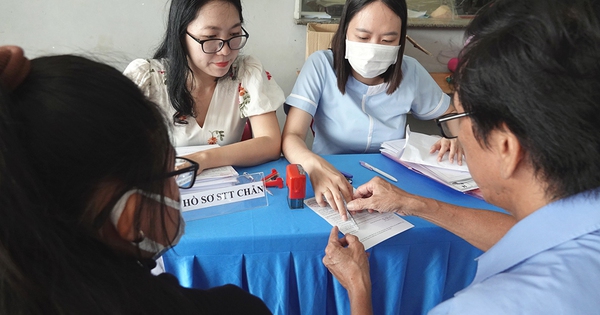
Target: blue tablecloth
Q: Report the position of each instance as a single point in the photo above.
(275, 252)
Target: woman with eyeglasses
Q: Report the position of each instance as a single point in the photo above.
(208, 90)
(89, 195)
(357, 95)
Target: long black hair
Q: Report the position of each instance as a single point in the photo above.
(533, 66)
(72, 126)
(173, 48)
(342, 67)
(88, 128)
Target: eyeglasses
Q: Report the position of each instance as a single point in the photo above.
(449, 124)
(213, 46)
(185, 172)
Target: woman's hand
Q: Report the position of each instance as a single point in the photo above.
(329, 185)
(199, 157)
(452, 146)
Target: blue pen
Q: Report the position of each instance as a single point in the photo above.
(348, 176)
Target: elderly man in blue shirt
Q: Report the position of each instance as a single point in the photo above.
(527, 96)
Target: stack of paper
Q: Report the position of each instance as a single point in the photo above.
(413, 152)
(209, 178)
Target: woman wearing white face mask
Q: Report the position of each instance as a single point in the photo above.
(89, 195)
(357, 95)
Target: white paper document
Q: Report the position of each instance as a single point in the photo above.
(373, 228)
(414, 148)
(212, 177)
(413, 152)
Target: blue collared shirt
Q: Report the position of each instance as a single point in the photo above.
(548, 263)
(365, 116)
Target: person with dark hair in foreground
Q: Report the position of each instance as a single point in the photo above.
(527, 90)
(89, 195)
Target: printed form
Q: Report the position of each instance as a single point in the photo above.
(373, 228)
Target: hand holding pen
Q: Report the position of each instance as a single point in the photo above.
(330, 186)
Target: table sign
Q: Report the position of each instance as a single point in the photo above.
(246, 193)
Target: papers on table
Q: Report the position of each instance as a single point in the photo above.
(373, 228)
(209, 178)
(413, 152)
(220, 190)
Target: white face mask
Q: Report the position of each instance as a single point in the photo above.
(148, 244)
(370, 60)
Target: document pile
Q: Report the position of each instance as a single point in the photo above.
(209, 178)
(220, 190)
(413, 152)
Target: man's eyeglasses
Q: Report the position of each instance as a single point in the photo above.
(449, 124)
(185, 172)
(213, 46)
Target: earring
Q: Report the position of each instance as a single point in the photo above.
(140, 238)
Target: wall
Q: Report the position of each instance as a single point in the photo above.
(118, 31)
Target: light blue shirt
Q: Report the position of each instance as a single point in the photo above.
(548, 263)
(365, 116)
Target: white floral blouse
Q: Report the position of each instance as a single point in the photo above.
(248, 91)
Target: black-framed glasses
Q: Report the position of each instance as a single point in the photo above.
(449, 124)
(213, 46)
(185, 172)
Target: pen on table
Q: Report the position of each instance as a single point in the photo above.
(378, 171)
